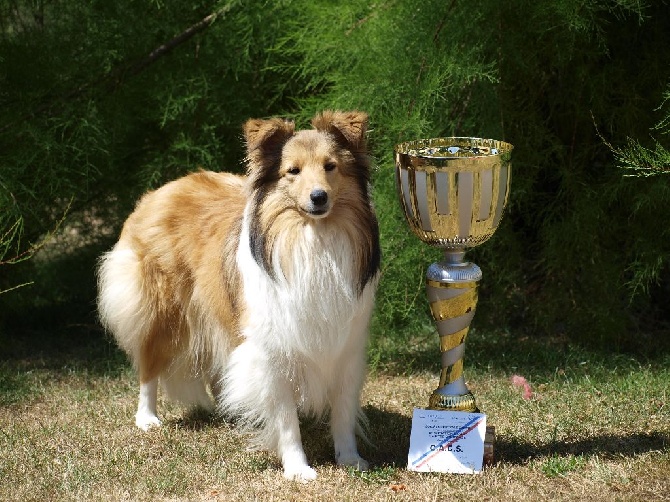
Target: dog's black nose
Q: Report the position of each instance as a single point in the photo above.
(319, 197)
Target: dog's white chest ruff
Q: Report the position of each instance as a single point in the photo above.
(310, 310)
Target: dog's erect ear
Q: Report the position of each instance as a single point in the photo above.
(348, 127)
(265, 138)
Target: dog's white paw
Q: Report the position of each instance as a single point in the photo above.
(301, 473)
(354, 461)
(146, 421)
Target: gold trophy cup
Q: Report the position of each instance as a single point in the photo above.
(453, 192)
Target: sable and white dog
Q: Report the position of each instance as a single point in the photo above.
(257, 289)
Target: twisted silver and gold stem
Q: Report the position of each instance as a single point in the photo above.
(452, 292)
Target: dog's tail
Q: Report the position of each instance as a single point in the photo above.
(121, 307)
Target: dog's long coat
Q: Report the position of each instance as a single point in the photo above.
(258, 288)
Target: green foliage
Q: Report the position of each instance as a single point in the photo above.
(553, 78)
(101, 100)
(646, 187)
(415, 71)
(92, 117)
(572, 202)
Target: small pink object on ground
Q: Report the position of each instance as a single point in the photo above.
(519, 381)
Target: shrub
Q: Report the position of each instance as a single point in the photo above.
(575, 86)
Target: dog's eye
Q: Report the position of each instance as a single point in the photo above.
(329, 166)
(293, 170)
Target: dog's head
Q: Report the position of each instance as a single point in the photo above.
(305, 170)
(306, 177)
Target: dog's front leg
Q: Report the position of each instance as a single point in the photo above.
(262, 394)
(343, 426)
(345, 411)
(289, 442)
(345, 390)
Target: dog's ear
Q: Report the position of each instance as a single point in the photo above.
(265, 138)
(348, 127)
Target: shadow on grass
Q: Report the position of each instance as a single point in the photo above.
(504, 352)
(386, 442)
(389, 432)
(199, 419)
(52, 323)
(389, 438)
(390, 443)
(513, 451)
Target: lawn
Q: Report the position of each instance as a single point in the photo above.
(597, 427)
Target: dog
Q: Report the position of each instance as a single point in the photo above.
(251, 295)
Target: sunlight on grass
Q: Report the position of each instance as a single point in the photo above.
(557, 465)
(595, 423)
(378, 475)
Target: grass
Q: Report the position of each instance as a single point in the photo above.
(597, 427)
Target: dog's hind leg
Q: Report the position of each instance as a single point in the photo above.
(190, 390)
(151, 361)
(146, 416)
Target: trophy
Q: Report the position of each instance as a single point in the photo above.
(453, 192)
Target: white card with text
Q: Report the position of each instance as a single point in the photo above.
(446, 441)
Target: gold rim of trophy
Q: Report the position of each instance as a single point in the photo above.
(431, 173)
(468, 153)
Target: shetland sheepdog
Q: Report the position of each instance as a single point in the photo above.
(252, 294)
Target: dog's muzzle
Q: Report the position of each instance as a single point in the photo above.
(319, 203)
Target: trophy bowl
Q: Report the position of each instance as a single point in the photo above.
(453, 190)
(453, 193)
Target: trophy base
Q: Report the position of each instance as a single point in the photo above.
(465, 403)
(489, 443)
(445, 402)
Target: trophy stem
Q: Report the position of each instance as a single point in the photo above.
(451, 286)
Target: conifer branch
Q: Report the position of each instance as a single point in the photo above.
(365, 19)
(440, 25)
(117, 75)
(184, 36)
(15, 228)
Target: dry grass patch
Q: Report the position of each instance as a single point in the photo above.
(67, 433)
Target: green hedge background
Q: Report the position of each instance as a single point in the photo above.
(100, 101)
